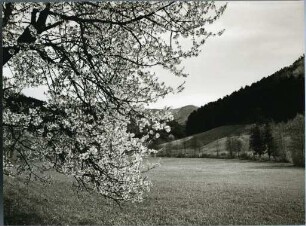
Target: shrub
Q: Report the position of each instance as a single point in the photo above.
(245, 156)
(205, 155)
(297, 144)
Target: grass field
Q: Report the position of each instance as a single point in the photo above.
(185, 191)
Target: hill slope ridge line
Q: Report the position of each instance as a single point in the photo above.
(278, 97)
(204, 138)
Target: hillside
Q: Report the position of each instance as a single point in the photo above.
(181, 114)
(196, 143)
(20, 102)
(278, 97)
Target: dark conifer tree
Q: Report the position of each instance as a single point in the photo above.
(268, 141)
(256, 141)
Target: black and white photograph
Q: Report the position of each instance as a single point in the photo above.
(153, 112)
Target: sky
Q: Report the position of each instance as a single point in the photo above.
(260, 38)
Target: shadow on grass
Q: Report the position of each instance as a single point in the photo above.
(21, 219)
(277, 166)
(17, 216)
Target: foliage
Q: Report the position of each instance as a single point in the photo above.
(296, 128)
(283, 141)
(257, 141)
(269, 141)
(278, 97)
(244, 156)
(96, 59)
(280, 138)
(233, 146)
(177, 132)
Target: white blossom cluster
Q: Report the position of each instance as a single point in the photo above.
(96, 59)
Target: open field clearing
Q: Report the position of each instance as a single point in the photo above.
(185, 191)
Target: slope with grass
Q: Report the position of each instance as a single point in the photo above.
(196, 143)
(184, 192)
(219, 146)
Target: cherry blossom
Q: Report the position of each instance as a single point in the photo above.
(96, 59)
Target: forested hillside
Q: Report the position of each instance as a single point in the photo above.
(278, 97)
(21, 103)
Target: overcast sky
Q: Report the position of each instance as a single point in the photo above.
(260, 38)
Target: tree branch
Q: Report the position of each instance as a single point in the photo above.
(7, 11)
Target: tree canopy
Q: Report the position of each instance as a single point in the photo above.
(96, 60)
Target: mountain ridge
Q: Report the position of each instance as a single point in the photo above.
(277, 97)
(181, 114)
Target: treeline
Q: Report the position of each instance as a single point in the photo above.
(283, 142)
(280, 142)
(278, 97)
(20, 103)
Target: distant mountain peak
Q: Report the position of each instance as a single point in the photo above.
(190, 106)
(181, 114)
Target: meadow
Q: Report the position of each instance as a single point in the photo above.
(185, 191)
